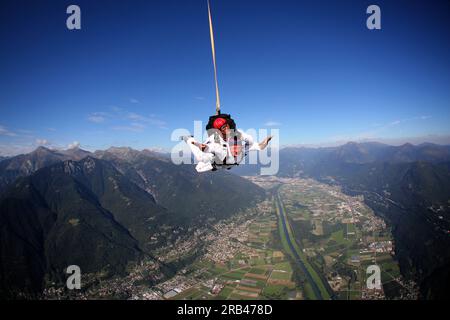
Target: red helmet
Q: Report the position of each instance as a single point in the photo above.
(219, 123)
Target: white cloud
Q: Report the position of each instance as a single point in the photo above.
(5, 132)
(136, 117)
(15, 149)
(138, 125)
(380, 128)
(151, 120)
(116, 109)
(42, 142)
(132, 100)
(98, 117)
(138, 121)
(272, 124)
(396, 122)
(74, 144)
(24, 131)
(133, 127)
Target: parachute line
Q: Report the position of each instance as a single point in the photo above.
(211, 33)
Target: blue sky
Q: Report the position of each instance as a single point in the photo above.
(137, 70)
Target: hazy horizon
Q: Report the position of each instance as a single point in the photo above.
(441, 141)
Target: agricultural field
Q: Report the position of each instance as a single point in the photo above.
(341, 237)
(323, 251)
(261, 271)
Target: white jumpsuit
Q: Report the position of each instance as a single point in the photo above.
(217, 150)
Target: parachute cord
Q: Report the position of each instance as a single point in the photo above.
(214, 60)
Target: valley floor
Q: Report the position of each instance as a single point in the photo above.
(335, 238)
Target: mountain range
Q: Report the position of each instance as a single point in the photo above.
(106, 209)
(101, 211)
(22, 165)
(408, 185)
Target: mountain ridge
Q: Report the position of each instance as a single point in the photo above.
(99, 213)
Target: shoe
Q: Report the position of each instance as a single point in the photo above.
(205, 166)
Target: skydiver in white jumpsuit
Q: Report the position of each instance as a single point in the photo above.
(223, 149)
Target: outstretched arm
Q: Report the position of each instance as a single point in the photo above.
(263, 144)
(251, 145)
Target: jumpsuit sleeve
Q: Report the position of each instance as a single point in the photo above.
(250, 143)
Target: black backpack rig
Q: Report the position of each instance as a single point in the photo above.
(211, 130)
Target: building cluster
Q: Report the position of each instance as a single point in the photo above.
(381, 246)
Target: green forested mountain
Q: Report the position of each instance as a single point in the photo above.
(101, 214)
(53, 219)
(180, 188)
